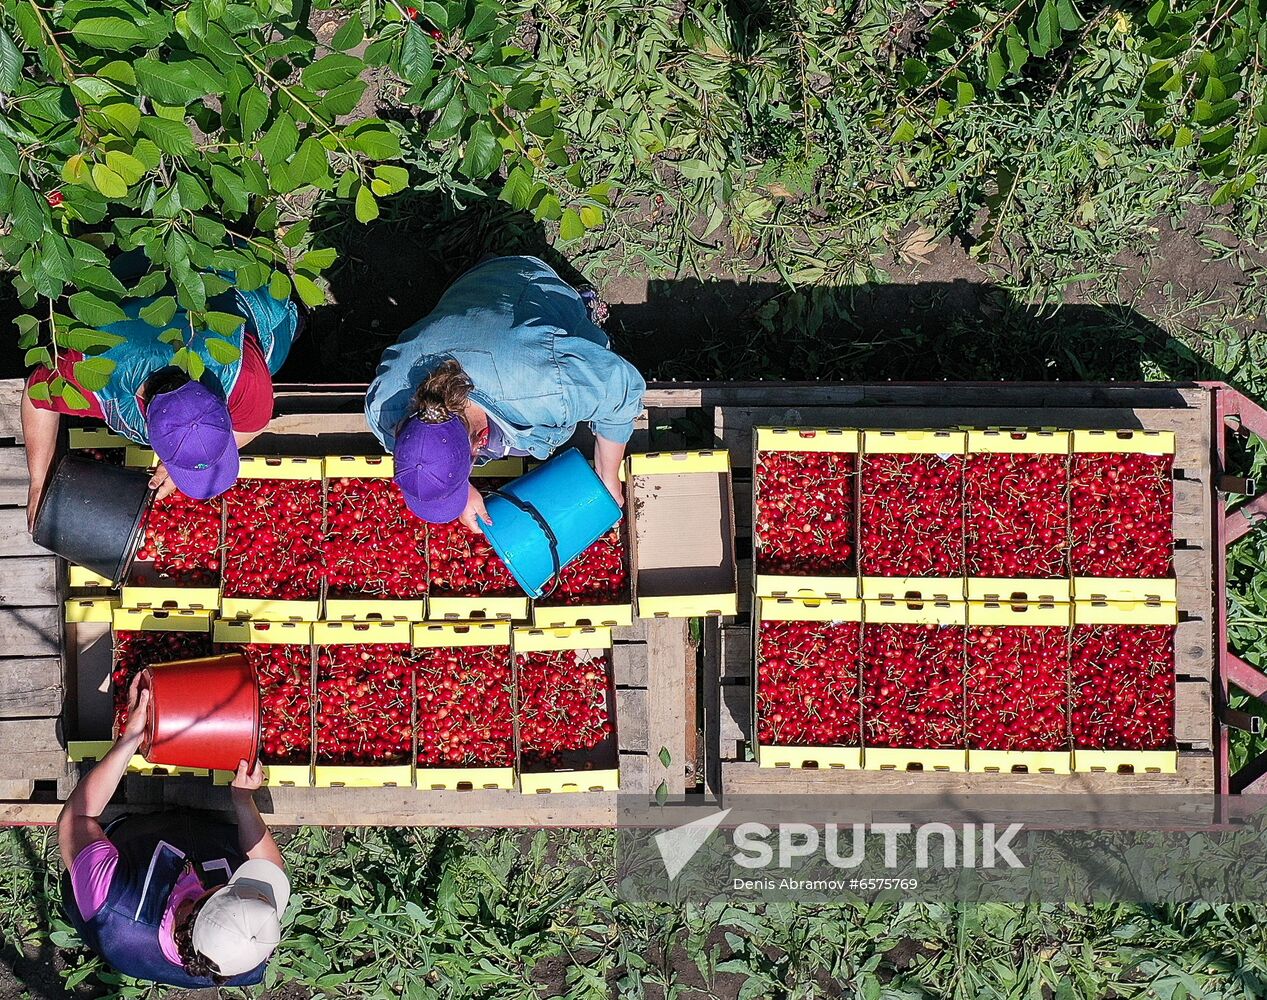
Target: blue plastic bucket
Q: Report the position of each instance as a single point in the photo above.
(547, 517)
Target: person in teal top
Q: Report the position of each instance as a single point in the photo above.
(508, 363)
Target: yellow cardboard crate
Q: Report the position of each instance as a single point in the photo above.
(257, 633)
(985, 613)
(994, 590)
(137, 457)
(268, 609)
(359, 466)
(500, 468)
(913, 588)
(782, 585)
(831, 440)
(1125, 761)
(1018, 441)
(276, 775)
(83, 578)
(692, 606)
(96, 437)
(1123, 442)
(803, 609)
(918, 442)
(900, 759)
(139, 765)
(461, 779)
(477, 608)
(161, 620)
(363, 776)
(810, 758)
(295, 467)
(573, 615)
(544, 640)
(1019, 761)
(1104, 588)
(90, 609)
(542, 782)
(914, 612)
(405, 609)
(1125, 613)
(78, 751)
(432, 635)
(174, 597)
(663, 463)
(329, 633)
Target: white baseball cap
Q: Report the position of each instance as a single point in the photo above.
(240, 925)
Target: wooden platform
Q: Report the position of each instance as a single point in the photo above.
(656, 666)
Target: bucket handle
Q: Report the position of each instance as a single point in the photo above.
(546, 530)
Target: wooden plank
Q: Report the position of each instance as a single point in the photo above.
(1006, 394)
(11, 409)
(30, 631)
(735, 726)
(28, 581)
(14, 538)
(32, 749)
(690, 717)
(14, 482)
(16, 790)
(1195, 775)
(631, 718)
(633, 773)
(666, 701)
(629, 664)
(1190, 523)
(711, 709)
(733, 429)
(30, 687)
(1194, 713)
(736, 652)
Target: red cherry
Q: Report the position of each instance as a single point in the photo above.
(54, 199)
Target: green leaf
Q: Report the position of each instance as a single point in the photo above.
(483, 153)
(310, 165)
(331, 70)
(366, 211)
(27, 213)
(228, 186)
(160, 311)
(996, 69)
(965, 93)
(73, 397)
(113, 33)
(172, 336)
(1049, 25)
(94, 373)
(416, 58)
(903, 133)
(37, 356)
(375, 140)
(28, 326)
(317, 260)
(666, 758)
(108, 182)
(350, 35)
(222, 351)
(86, 339)
(10, 64)
(440, 95)
(39, 392)
(1017, 53)
(343, 99)
(279, 286)
(92, 310)
(518, 189)
(9, 163)
(252, 111)
(661, 797)
(125, 165)
(223, 323)
(179, 82)
(571, 228)
(309, 293)
(170, 136)
(396, 178)
(436, 14)
(279, 141)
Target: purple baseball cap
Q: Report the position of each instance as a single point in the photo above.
(192, 435)
(433, 468)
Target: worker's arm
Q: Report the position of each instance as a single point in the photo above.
(254, 837)
(162, 480)
(79, 823)
(607, 458)
(39, 431)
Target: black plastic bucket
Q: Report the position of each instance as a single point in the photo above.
(93, 514)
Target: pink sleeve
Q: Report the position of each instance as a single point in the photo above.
(91, 874)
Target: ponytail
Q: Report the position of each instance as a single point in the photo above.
(443, 394)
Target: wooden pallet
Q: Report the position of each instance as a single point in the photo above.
(1185, 409)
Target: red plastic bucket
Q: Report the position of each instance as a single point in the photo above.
(202, 713)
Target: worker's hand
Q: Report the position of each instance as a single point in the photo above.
(614, 486)
(162, 482)
(138, 709)
(474, 508)
(248, 780)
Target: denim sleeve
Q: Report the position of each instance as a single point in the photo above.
(603, 388)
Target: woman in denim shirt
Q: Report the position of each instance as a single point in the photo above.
(508, 363)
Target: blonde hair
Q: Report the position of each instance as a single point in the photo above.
(443, 394)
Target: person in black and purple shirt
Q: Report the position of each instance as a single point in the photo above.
(175, 898)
